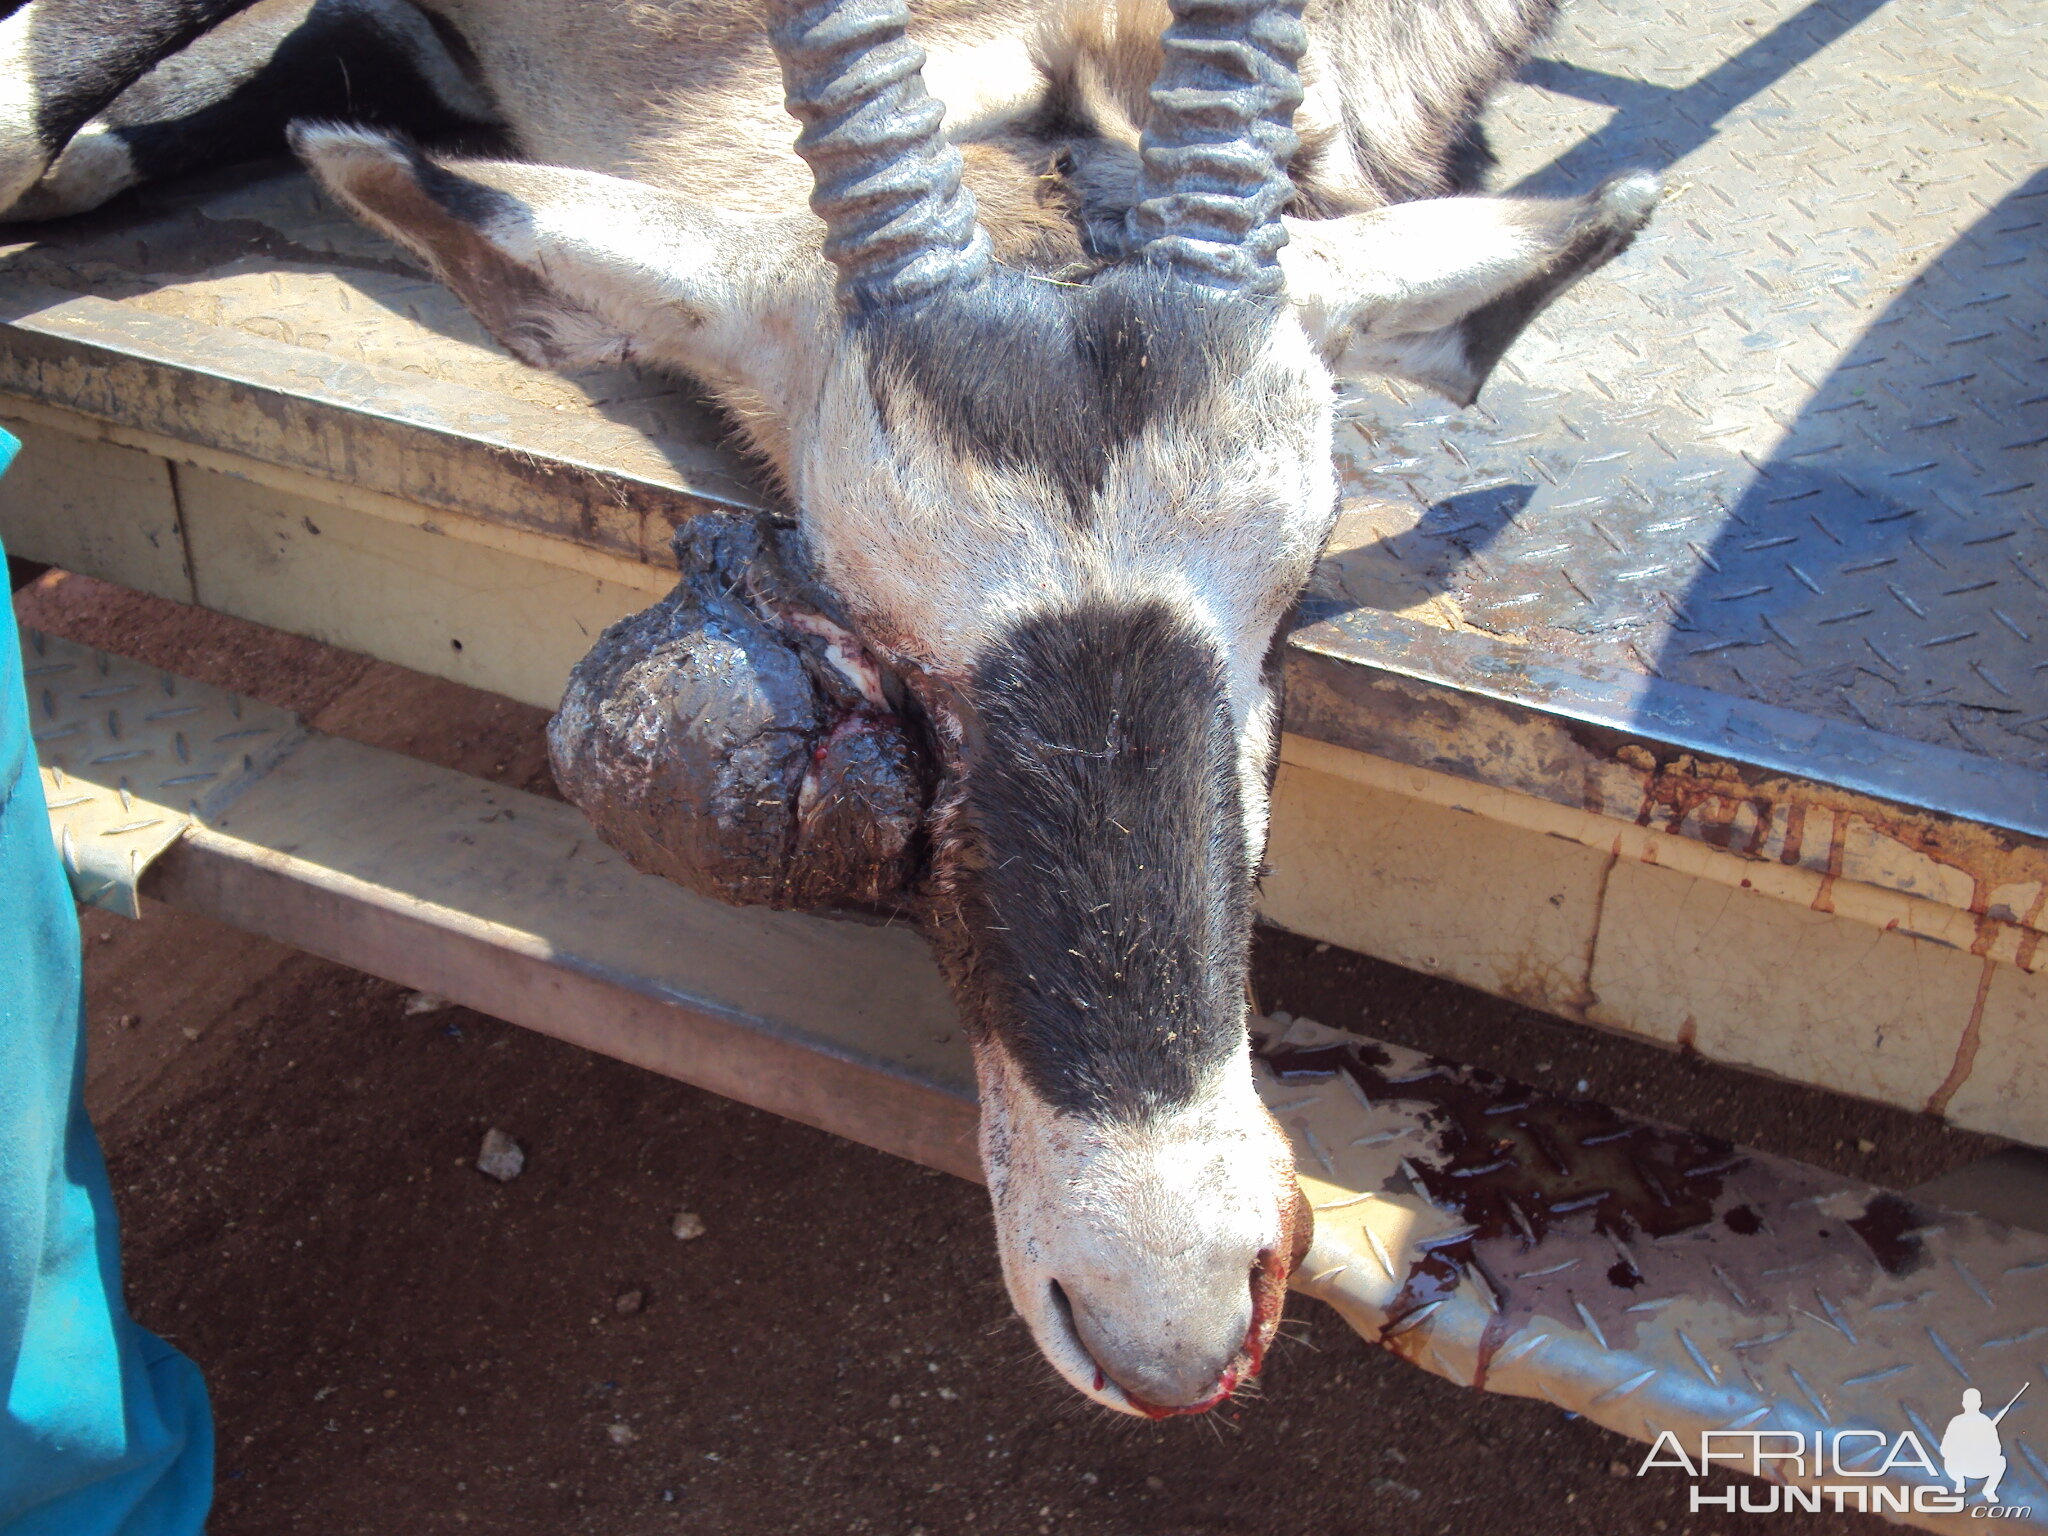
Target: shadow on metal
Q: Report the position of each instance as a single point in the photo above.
(1656, 126)
(1898, 510)
(1423, 561)
(1777, 460)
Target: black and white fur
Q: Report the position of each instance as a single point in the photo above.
(1069, 506)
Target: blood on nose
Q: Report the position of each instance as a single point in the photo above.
(1170, 1360)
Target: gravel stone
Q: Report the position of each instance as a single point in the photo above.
(500, 1156)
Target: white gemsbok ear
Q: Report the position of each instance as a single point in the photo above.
(1435, 291)
(571, 269)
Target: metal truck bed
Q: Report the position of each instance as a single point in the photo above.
(1692, 685)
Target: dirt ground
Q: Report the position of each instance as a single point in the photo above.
(398, 1344)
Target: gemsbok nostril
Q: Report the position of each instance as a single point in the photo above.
(1061, 1306)
(1063, 1311)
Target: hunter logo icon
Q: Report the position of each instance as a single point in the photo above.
(1969, 1446)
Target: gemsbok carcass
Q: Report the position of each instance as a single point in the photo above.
(1048, 386)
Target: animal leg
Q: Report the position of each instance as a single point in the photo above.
(1394, 93)
(227, 96)
(63, 61)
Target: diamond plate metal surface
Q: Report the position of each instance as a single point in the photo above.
(268, 256)
(1793, 446)
(131, 756)
(1653, 1279)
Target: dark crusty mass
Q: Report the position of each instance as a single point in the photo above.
(713, 741)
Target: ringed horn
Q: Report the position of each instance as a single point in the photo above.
(1217, 151)
(901, 226)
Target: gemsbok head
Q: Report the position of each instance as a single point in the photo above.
(1066, 511)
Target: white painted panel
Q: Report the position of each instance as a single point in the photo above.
(94, 508)
(1807, 995)
(480, 616)
(1432, 888)
(2006, 1091)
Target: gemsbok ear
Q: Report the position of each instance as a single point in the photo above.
(570, 269)
(1434, 292)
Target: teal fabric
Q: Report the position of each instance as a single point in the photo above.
(104, 1428)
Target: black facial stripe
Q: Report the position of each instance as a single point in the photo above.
(1112, 908)
(1029, 374)
(337, 64)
